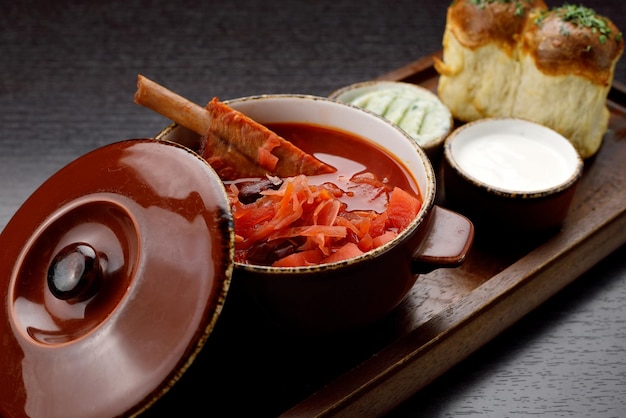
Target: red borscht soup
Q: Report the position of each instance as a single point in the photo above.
(311, 220)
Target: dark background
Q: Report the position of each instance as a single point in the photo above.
(67, 78)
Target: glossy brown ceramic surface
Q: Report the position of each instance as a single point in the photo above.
(350, 295)
(502, 214)
(113, 274)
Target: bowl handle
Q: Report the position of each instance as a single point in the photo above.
(448, 239)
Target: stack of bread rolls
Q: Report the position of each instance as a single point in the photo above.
(517, 58)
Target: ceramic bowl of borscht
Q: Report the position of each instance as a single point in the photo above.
(372, 225)
(511, 176)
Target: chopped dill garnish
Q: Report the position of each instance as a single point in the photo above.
(582, 16)
(519, 4)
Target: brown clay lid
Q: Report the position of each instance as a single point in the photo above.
(112, 276)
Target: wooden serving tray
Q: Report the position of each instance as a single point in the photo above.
(449, 313)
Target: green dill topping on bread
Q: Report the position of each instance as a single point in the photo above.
(583, 17)
(519, 4)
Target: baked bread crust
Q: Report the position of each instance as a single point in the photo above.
(512, 59)
(498, 22)
(565, 47)
(481, 56)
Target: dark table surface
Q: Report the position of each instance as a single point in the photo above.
(67, 77)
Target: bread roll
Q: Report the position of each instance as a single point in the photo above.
(518, 59)
(568, 69)
(481, 56)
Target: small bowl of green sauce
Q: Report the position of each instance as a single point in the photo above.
(415, 109)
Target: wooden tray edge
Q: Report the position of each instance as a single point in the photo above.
(414, 361)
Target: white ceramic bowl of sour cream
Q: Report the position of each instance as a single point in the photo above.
(510, 172)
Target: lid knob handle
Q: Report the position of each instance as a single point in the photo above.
(75, 272)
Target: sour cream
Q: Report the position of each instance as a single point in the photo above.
(515, 156)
